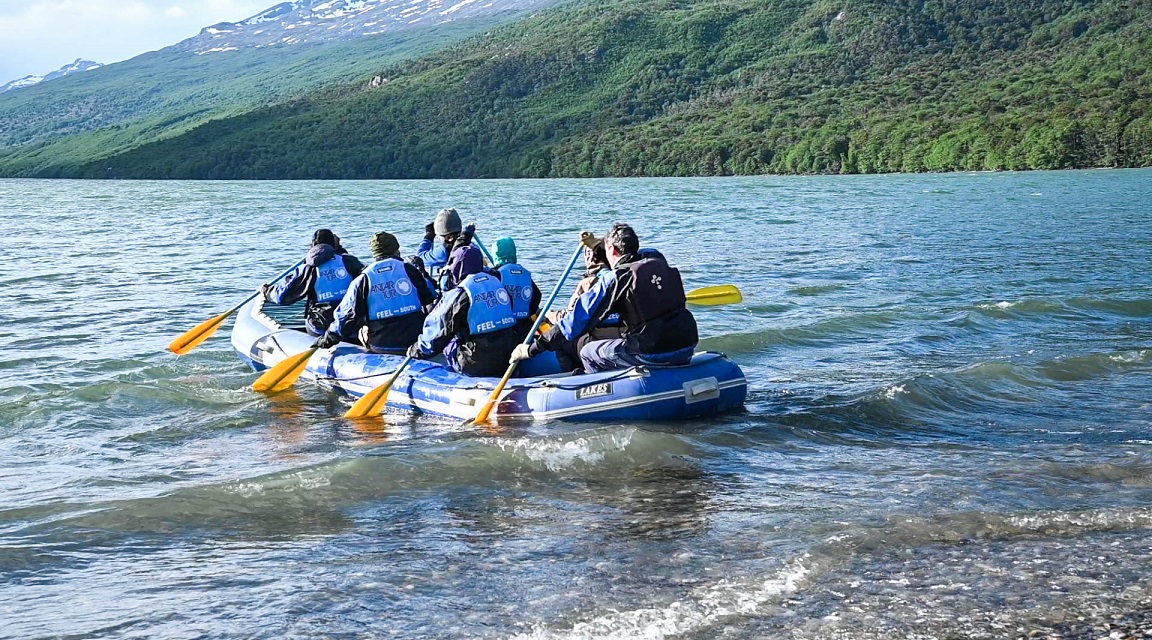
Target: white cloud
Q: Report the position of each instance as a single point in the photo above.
(39, 36)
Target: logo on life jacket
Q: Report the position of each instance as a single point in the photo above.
(656, 281)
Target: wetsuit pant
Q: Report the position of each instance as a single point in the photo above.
(605, 355)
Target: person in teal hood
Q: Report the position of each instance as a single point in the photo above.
(517, 281)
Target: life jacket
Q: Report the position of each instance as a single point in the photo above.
(517, 282)
(490, 307)
(654, 291)
(332, 281)
(390, 291)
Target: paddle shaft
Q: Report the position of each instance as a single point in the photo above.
(485, 410)
(190, 339)
(273, 281)
(483, 249)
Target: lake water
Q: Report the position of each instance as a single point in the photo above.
(948, 431)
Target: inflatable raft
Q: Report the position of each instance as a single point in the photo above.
(710, 384)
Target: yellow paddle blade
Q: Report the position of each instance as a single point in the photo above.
(490, 404)
(723, 294)
(372, 404)
(284, 374)
(201, 332)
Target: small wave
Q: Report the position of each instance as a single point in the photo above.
(705, 607)
(816, 290)
(328, 487)
(1073, 309)
(822, 333)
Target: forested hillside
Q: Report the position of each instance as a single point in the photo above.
(716, 87)
(71, 120)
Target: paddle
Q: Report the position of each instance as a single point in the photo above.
(483, 249)
(284, 374)
(372, 404)
(723, 294)
(201, 332)
(586, 240)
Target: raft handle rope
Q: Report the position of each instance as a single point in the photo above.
(642, 370)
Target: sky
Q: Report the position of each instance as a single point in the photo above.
(40, 36)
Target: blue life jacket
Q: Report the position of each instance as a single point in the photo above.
(390, 291)
(517, 282)
(490, 307)
(332, 281)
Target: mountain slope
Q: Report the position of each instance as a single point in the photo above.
(649, 87)
(163, 93)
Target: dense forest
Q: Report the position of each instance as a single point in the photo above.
(715, 87)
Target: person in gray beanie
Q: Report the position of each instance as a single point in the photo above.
(452, 233)
(385, 305)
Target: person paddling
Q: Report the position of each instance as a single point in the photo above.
(323, 279)
(385, 305)
(656, 326)
(596, 267)
(448, 227)
(518, 283)
(473, 323)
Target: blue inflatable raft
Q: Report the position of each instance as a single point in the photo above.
(710, 384)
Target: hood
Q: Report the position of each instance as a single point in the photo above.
(319, 254)
(465, 261)
(505, 252)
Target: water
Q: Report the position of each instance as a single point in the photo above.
(948, 431)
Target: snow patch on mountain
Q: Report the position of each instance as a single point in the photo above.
(74, 67)
(307, 21)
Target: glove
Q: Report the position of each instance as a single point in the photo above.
(519, 353)
(414, 351)
(429, 231)
(265, 288)
(470, 231)
(326, 341)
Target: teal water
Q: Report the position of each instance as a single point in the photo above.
(948, 430)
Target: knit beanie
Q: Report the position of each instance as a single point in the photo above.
(447, 222)
(324, 236)
(384, 245)
(505, 252)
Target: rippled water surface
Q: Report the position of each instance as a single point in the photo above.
(948, 431)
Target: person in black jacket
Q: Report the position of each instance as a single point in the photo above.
(473, 324)
(655, 324)
(323, 279)
(385, 305)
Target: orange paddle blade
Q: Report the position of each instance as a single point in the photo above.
(284, 374)
(201, 332)
(723, 294)
(372, 404)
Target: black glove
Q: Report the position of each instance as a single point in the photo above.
(469, 231)
(430, 231)
(414, 351)
(265, 288)
(326, 341)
